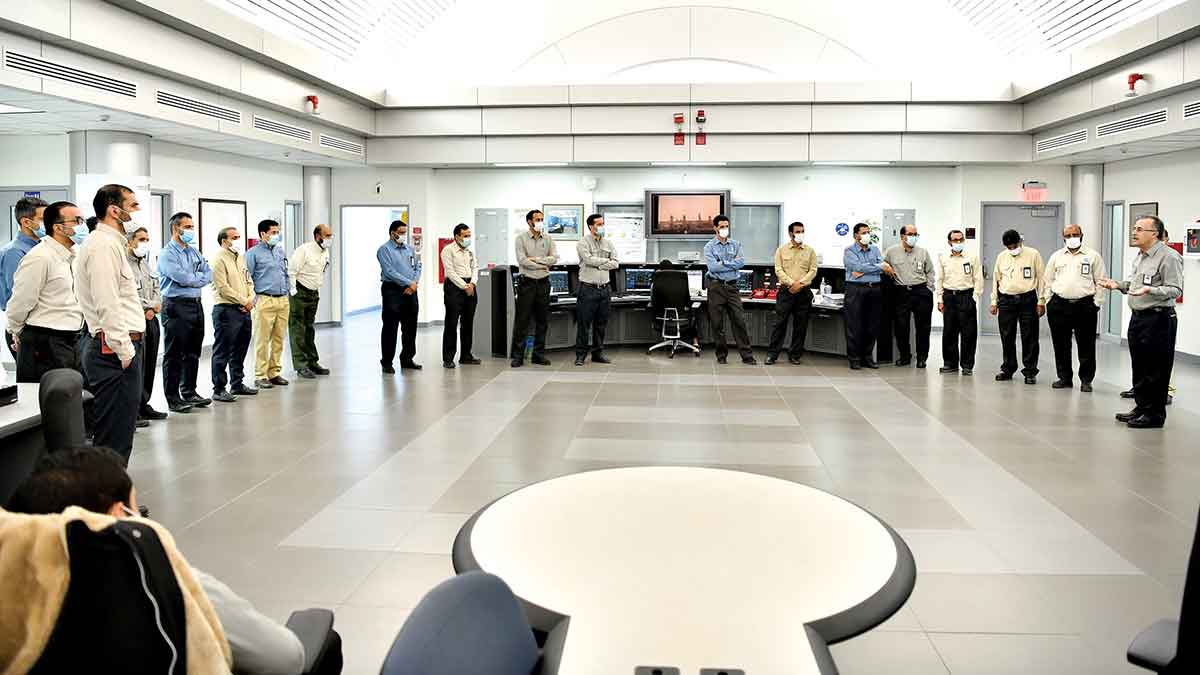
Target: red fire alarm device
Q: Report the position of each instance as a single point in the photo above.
(701, 138)
(679, 118)
(679, 139)
(700, 118)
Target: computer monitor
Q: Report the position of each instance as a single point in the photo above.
(745, 281)
(558, 283)
(695, 281)
(638, 279)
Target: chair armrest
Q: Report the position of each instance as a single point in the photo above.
(1154, 648)
(313, 627)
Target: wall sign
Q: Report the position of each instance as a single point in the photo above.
(842, 229)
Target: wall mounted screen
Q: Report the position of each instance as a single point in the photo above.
(684, 214)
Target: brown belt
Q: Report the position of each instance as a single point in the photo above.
(134, 336)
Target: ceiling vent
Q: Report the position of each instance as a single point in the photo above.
(1062, 141)
(199, 107)
(341, 144)
(1132, 123)
(40, 67)
(282, 129)
(1191, 110)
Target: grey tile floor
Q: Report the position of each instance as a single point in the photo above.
(1045, 534)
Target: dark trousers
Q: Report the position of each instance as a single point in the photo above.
(400, 312)
(1076, 318)
(592, 307)
(795, 306)
(8, 342)
(118, 395)
(150, 343)
(961, 327)
(725, 301)
(915, 305)
(231, 341)
(1152, 351)
(863, 312)
(43, 349)
(1019, 311)
(533, 304)
(459, 323)
(302, 319)
(183, 328)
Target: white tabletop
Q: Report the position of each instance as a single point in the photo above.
(691, 568)
(23, 414)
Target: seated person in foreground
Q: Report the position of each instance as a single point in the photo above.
(94, 479)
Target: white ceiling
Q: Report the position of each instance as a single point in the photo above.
(58, 116)
(1183, 140)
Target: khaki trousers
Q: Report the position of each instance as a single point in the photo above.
(270, 326)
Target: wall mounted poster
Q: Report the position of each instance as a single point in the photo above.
(563, 221)
(1192, 246)
(627, 231)
(1137, 211)
(216, 215)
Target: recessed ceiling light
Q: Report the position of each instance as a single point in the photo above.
(6, 109)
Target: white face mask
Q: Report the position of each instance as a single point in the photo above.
(798, 237)
(1014, 252)
(957, 248)
(723, 232)
(326, 243)
(235, 245)
(913, 239)
(864, 238)
(142, 250)
(1074, 242)
(540, 226)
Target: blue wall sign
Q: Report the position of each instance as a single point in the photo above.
(842, 229)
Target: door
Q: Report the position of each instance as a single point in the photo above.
(1040, 226)
(363, 229)
(491, 237)
(293, 225)
(893, 220)
(160, 213)
(8, 206)
(1115, 243)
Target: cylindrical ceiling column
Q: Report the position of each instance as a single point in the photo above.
(118, 153)
(318, 210)
(1087, 201)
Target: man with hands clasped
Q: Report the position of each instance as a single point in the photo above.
(597, 257)
(1073, 306)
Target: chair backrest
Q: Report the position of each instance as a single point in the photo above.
(123, 611)
(670, 289)
(60, 397)
(1187, 653)
(468, 625)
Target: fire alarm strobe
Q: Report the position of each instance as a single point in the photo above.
(700, 118)
(679, 118)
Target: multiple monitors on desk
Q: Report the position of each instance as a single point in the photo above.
(636, 281)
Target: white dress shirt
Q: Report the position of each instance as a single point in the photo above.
(307, 266)
(107, 290)
(44, 290)
(459, 265)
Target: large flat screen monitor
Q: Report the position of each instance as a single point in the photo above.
(684, 213)
(558, 283)
(695, 281)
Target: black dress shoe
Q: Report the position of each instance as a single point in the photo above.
(179, 408)
(796, 361)
(1146, 422)
(722, 360)
(921, 363)
(771, 359)
(470, 361)
(516, 363)
(1031, 380)
(871, 364)
(149, 413)
(1061, 384)
(197, 401)
(943, 370)
(411, 365)
(1129, 416)
(141, 423)
(540, 361)
(602, 359)
(278, 381)
(1086, 387)
(319, 369)
(243, 390)
(967, 372)
(903, 363)
(387, 370)
(224, 397)
(307, 373)
(579, 360)
(855, 365)
(264, 384)
(449, 365)
(1128, 393)
(749, 361)
(1003, 377)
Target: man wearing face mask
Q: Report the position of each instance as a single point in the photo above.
(1018, 286)
(182, 274)
(400, 274)
(723, 258)
(43, 314)
(536, 254)
(863, 307)
(138, 254)
(796, 267)
(1074, 306)
(913, 294)
(268, 268)
(233, 298)
(597, 258)
(306, 269)
(462, 275)
(112, 310)
(28, 213)
(959, 286)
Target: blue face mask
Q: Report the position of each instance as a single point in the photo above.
(187, 236)
(40, 231)
(81, 233)
(274, 240)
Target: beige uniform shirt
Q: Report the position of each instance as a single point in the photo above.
(958, 272)
(795, 263)
(535, 255)
(459, 265)
(1072, 275)
(230, 279)
(147, 280)
(1161, 268)
(307, 266)
(1014, 275)
(596, 259)
(107, 290)
(913, 267)
(44, 290)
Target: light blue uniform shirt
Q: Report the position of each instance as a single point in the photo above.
(724, 259)
(10, 258)
(182, 271)
(869, 262)
(398, 264)
(268, 268)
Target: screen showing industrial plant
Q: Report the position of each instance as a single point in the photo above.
(686, 214)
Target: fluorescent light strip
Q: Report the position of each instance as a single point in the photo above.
(6, 109)
(864, 163)
(520, 165)
(688, 163)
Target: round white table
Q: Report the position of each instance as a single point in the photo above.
(689, 568)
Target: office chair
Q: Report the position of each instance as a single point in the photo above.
(322, 644)
(471, 624)
(1169, 646)
(670, 295)
(60, 397)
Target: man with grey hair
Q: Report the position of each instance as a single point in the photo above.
(28, 214)
(182, 274)
(138, 252)
(233, 295)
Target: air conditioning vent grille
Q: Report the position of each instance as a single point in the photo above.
(341, 144)
(40, 67)
(1132, 123)
(199, 107)
(282, 129)
(1062, 140)
(1191, 110)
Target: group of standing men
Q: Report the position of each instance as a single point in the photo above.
(82, 294)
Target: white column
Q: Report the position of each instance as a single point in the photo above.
(318, 200)
(1087, 202)
(118, 153)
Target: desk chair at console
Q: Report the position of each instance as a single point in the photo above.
(671, 302)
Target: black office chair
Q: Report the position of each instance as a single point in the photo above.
(671, 302)
(60, 398)
(1169, 646)
(322, 644)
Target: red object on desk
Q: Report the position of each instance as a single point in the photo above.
(773, 294)
(442, 243)
(1178, 246)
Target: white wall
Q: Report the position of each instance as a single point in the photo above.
(1170, 180)
(34, 160)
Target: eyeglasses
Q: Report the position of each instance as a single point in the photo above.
(1142, 229)
(79, 220)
